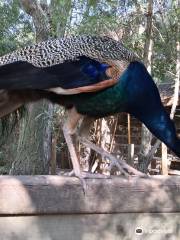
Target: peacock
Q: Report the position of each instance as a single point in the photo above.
(92, 77)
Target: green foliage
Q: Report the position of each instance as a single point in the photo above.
(15, 27)
(126, 21)
(60, 16)
(165, 36)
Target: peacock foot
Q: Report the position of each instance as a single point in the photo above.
(123, 167)
(86, 175)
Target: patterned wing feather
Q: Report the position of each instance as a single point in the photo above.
(66, 66)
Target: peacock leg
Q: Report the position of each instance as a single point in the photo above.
(123, 167)
(69, 130)
(83, 135)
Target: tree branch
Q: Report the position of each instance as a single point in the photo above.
(40, 17)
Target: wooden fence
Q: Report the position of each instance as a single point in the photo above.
(56, 208)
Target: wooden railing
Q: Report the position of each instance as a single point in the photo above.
(54, 207)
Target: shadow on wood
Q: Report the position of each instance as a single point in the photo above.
(54, 207)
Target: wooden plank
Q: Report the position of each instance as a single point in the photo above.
(135, 226)
(174, 172)
(56, 194)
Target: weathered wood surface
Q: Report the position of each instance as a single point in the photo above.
(123, 226)
(64, 195)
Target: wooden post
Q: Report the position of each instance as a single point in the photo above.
(130, 160)
(129, 128)
(164, 159)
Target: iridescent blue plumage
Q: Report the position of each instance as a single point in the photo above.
(68, 75)
(94, 69)
(145, 104)
(137, 94)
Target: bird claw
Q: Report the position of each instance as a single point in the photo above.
(86, 175)
(123, 167)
